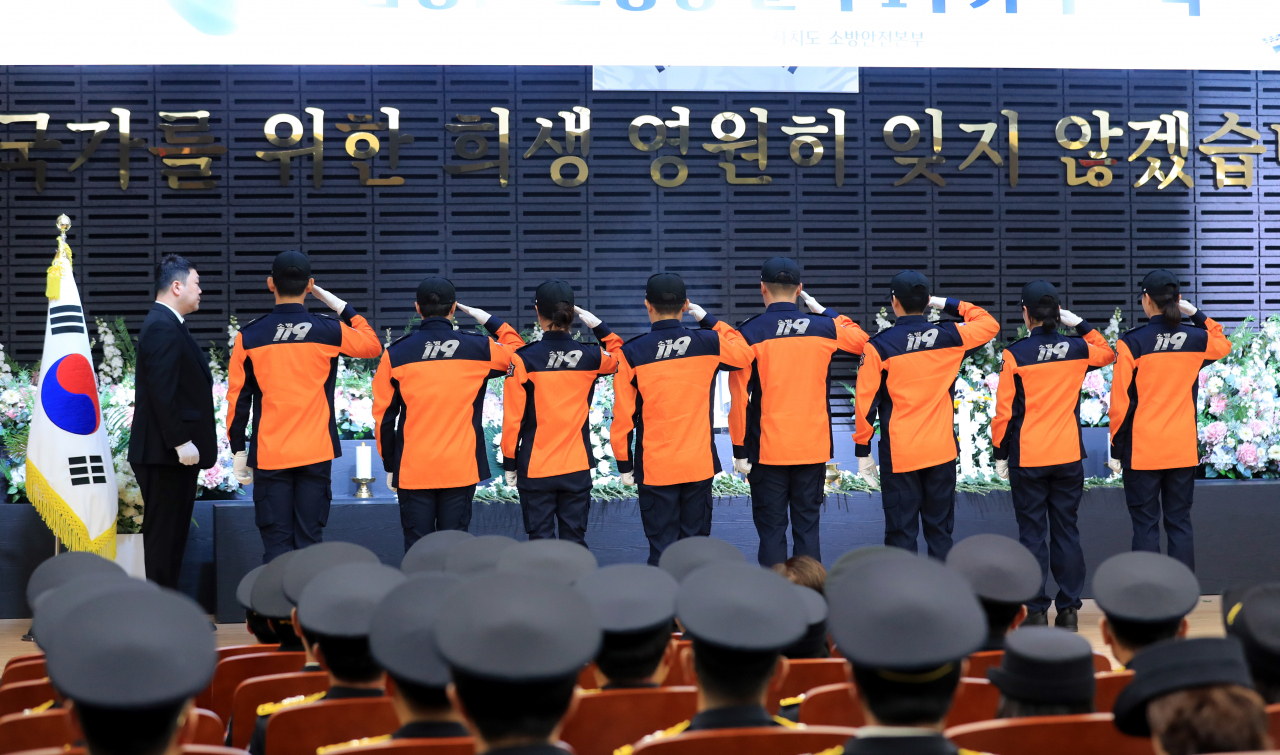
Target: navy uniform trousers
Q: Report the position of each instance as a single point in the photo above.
(1156, 493)
(291, 506)
(1046, 501)
(425, 511)
(775, 490)
(562, 499)
(674, 512)
(923, 495)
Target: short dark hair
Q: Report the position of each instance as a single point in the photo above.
(781, 290)
(1216, 718)
(732, 674)
(1047, 311)
(290, 286)
(289, 639)
(805, 571)
(631, 656)
(133, 731)
(435, 308)
(261, 627)
(915, 302)
(1000, 616)
(421, 697)
(1139, 634)
(171, 268)
(1009, 707)
(347, 658)
(908, 698)
(514, 709)
(667, 310)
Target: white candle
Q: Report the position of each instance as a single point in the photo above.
(364, 461)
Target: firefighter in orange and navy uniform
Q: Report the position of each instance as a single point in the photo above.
(1153, 413)
(906, 379)
(780, 422)
(282, 373)
(546, 445)
(428, 400)
(1038, 448)
(662, 402)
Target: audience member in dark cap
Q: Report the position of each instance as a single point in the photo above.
(402, 641)
(132, 681)
(334, 615)
(906, 626)
(257, 624)
(267, 599)
(1044, 672)
(814, 642)
(1254, 619)
(804, 571)
(562, 561)
(1145, 598)
(684, 557)
(1192, 697)
(635, 605)
(57, 571)
(515, 645)
(61, 604)
(856, 558)
(477, 556)
(1004, 575)
(429, 553)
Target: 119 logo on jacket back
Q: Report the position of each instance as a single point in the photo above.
(787, 327)
(922, 340)
(1170, 341)
(445, 349)
(558, 359)
(285, 331)
(679, 346)
(1053, 351)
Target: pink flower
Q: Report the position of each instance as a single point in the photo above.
(1217, 404)
(1259, 428)
(993, 381)
(1247, 454)
(1204, 378)
(1093, 383)
(1214, 433)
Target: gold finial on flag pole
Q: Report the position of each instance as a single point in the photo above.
(61, 261)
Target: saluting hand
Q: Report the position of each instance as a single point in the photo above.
(811, 303)
(588, 319)
(480, 315)
(937, 302)
(328, 299)
(1186, 307)
(1069, 318)
(698, 312)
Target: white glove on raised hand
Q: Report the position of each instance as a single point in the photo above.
(1116, 467)
(698, 312)
(480, 315)
(509, 478)
(1069, 318)
(1186, 307)
(240, 469)
(811, 303)
(588, 319)
(391, 481)
(188, 454)
(1002, 468)
(868, 470)
(328, 299)
(937, 302)
(628, 478)
(742, 466)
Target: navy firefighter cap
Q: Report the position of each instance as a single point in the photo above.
(292, 266)
(1160, 282)
(665, 288)
(435, 291)
(1035, 291)
(909, 283)
(551, 293)
(780, 270)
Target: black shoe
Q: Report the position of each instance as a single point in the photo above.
(1036, 619)
(1068, 618)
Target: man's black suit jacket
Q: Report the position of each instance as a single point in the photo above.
(173, 394)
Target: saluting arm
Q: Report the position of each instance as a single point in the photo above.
(624, 408)
(866, 390)
(1121, 378)
(738, 382)
(513, 404)
(1100, 353)
(978, 327)
(387, 405)
(1005, 392)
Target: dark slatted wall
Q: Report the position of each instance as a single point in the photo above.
(978, 238)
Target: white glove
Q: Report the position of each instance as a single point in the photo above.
(937, 302)
(1186, 307)
(811, 303)
(698, 312)
(391, 481)
(1069, 318)
(1002, 468)
(868, 471)
(742, 466)
(328, 299)
(1116, 467)
(588, 319)
(241, 470)
(188, 454)
(628, 478)
(510, 478)
(480, 315)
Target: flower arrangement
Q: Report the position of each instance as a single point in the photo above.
(1237, 406)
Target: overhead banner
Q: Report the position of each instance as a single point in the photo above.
(724, 79)
(1168, 34)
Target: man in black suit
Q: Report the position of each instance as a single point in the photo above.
(173, 435)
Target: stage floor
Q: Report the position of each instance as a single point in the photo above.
(1206, 621)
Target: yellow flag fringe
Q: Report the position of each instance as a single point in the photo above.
(63, 521)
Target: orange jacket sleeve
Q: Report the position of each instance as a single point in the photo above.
(738, 382)
(624, 408)
(513, 403)
(734, 349)
(386, 407)
(506, 335)
(1121, 378)
(978, 327)
(1005, 392)
(611, 345)
(849, 336)
(1219, 345)
(358, 338)
(241, 386)
(864, 400)
(1100, 353)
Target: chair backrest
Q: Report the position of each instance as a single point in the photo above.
(236, 669)
(19, 696)
(587, 677)
(1049, 735)
(832, 705)
(1273, 720)
(808, 673)
(675, 672)
(609, 719)
(59, 751)
(1101, 663)
(229, 651)
(441, 746)
(207, 729)
(303, 729)
(24, 658)
(975, 700)
(200, 750)
(981, 661)
(24, 672)
(269, 689)
(50, 728)
(1108, 686)
(759, 741)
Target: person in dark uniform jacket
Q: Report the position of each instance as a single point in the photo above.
(905, 675)
(267, 599)
(257, 624)
(1004, 575)
(636, 607)
(1145, 598)
(1254, 618)
(515, 644)
(173, 435)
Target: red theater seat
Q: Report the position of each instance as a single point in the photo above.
(810, 673)
(761, 741)
(832, 705)
(20, 696)
(1109, 685)
(233, 650)
(269, 689)
(443, 746)
(975, 700)
(1049, 735)
(24, 658)
(23, 672)
(31, 731)
(980, 662)
(236, 669)
(607, 720)
(1273, 718)
(304, 729)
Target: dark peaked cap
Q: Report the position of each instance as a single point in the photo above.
(60, 570)
(514, 628)
(858, 557)
(428, 554)
(133, 649)
(997, 567)
(1045, 665)
(1172, 665)
(905, 614)
(479, 555)
(320, 557)
(59, 605)
(741, 607)
(267, 596)
(1145, 587)
(402, 637)
(686, 556)
(630, 597)
(1257, 624)
(339, 602)
(244, 591)
(561, 561)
